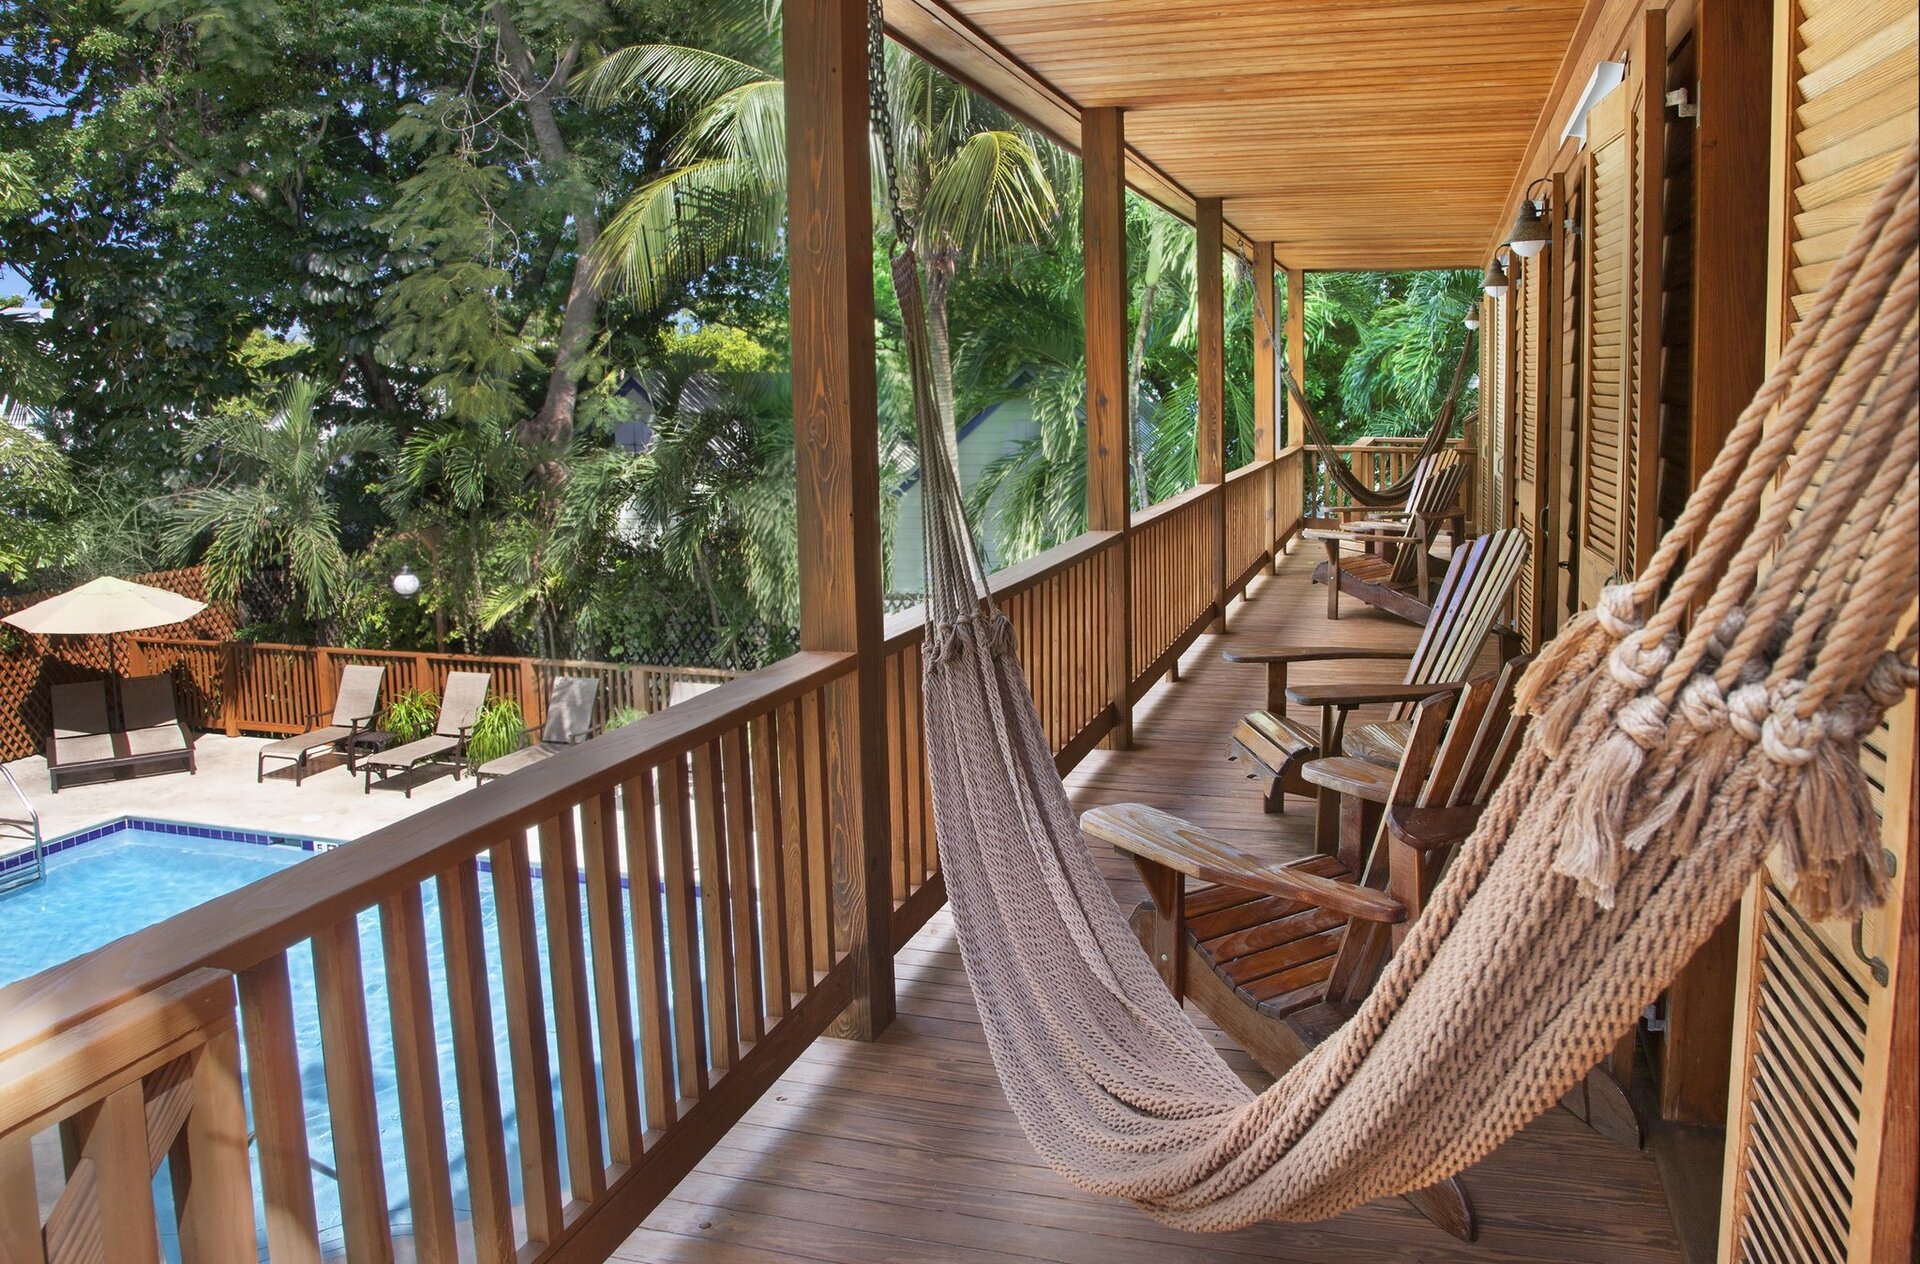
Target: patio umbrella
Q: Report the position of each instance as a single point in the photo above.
(101, 607)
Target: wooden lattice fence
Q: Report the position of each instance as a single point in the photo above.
(29, 664)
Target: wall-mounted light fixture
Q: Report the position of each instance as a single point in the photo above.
(1495, 281)
(1531, 231)
(1473, 317)
(406, 583)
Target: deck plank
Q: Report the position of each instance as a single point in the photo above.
(905, 1148)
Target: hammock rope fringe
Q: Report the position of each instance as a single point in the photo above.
(1709, 710)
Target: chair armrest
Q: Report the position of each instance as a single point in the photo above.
(1432, 829)
(1384, 511)
(1310, 653)
(1357, 537)
(1167, 840)
(1352, 695)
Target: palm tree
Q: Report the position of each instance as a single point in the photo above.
(268, 503)
(972, 181)
(1381, 348)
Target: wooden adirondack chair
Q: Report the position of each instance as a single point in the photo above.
(1393, 572)
(1277, 744)
(1281, 956)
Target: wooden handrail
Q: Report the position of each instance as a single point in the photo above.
(1173, 504)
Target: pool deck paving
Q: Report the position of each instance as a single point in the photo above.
(328, 805)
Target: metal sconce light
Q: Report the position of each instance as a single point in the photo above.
(1530, 233)
(1473, 318)
(406, 583)
(1495, 282)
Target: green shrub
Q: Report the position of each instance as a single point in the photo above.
(499, 730)
(624, 716)
(410, 714)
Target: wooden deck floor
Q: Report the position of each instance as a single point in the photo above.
(905, 1149)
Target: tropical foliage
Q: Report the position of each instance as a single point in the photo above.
(497, 293)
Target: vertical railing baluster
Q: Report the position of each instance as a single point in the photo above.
(748, 1000)
(710, 830)
(573, 1025)
(819, 837)
(416, 1059)
(797, 808)
(599, 829)
(350, 1102)
(769, 833)
(279, 1112)
(676, 848)
(644, 893)
(527, 1037)
(476, 1070)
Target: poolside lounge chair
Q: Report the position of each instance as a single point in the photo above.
(80, 738)
(82, 741)
(569, 722)
(460, 705)
(354, 705)
(152, 731)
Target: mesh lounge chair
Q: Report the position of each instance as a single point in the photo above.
(569, 722)
(153, 732)
(460, 707)
(353, 710)
(81, 739)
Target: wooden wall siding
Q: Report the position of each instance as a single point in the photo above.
(29, 665)
(1332, 182)
(1494, 472)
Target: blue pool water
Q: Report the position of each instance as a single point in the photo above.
(138, 874)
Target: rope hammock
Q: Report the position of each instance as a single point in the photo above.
(1359, 490)
(1704, 715)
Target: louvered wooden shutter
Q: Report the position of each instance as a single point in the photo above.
(1607, 259)
(1817, 1081)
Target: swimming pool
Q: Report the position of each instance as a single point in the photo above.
(129, 874)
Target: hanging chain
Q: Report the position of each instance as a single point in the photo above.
(880, 112)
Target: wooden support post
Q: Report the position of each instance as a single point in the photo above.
(1733, 42)
(1266, 381)
(837, 468)
(1210, 443)
(1109, 393)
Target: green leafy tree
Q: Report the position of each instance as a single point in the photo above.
(269, 501)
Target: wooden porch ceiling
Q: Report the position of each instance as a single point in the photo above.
(1350, 133)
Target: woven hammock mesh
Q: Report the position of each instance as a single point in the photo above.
(1703, 716)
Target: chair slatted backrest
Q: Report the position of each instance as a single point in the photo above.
(1461, 746)
(1437, 483)
(570, 708)
(359, 694)
(460, 705)
(1472, 595)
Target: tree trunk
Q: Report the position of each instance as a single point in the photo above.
(1136, 364)
(552, 426)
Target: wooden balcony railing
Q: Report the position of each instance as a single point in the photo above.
(1378, 462)
(258, 687)
(596, 966)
